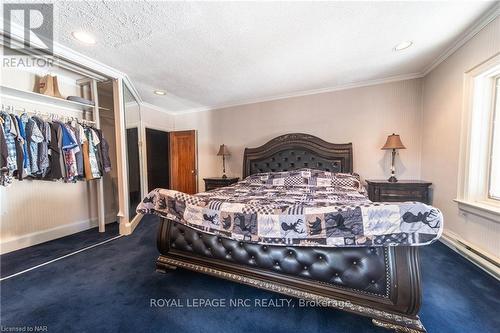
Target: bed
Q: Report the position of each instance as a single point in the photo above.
(373, 276)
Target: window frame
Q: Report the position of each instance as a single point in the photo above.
(495, 117)
(476, 143)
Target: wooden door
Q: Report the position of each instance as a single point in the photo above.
(183, 161)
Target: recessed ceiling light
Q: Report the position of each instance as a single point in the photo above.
(403, 45)
(83, 37)
(160, 92)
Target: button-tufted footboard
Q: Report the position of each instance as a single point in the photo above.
(379, 282)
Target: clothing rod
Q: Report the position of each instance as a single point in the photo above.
(14, 109)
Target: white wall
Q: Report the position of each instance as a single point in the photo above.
(156, 118)
(363, 116)
(442, 112)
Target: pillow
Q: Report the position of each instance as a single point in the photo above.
(346, 180)
(305, 177)
(282, 178)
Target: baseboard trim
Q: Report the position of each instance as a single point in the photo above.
(481, 259)
(135, 222)
(43, 236)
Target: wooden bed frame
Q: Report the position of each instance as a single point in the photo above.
(382, 283)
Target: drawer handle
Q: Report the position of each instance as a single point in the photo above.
(395, 195)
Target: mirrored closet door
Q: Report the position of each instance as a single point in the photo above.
(134, 156)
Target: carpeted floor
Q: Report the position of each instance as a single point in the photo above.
(109, 289)
(20, 260)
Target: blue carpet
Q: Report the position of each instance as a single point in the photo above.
(17, 261)
(109, 288)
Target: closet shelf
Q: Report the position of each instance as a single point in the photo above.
(29, 96)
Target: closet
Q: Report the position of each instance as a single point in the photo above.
(88, 105)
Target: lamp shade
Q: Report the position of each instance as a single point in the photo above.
(393, 142)
(223, 151)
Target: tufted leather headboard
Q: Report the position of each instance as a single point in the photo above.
(295, 151)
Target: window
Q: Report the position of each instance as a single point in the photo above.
(494, 181)
(479, 170)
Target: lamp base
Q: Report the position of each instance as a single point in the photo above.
(392, 179)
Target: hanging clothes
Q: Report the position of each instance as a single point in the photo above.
(34, 137)
(87, 170)
(73, 154)
(10, 139)
(43, 146)
(22, 132)
(92, 166)
(4, 152)
(36, 148)
(5, 179)
(55, 171)
(24, 124)
(103, 153)
(106, 161)
(19, 173)
(78, 155)
(62, 164)
(97, 144)
(69, 148)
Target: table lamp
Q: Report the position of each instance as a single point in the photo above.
(393, 142)
(223, 151)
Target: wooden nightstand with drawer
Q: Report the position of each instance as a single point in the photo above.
(403, 190)
(216, 182)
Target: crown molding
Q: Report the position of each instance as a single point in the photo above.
(347, 86)
(490, 15)
(156, 108)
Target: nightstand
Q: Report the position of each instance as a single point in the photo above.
(403, 190)
(216, 182)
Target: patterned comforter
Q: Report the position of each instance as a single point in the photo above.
(303, 207)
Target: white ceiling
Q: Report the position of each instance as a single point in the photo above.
(208, 54)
